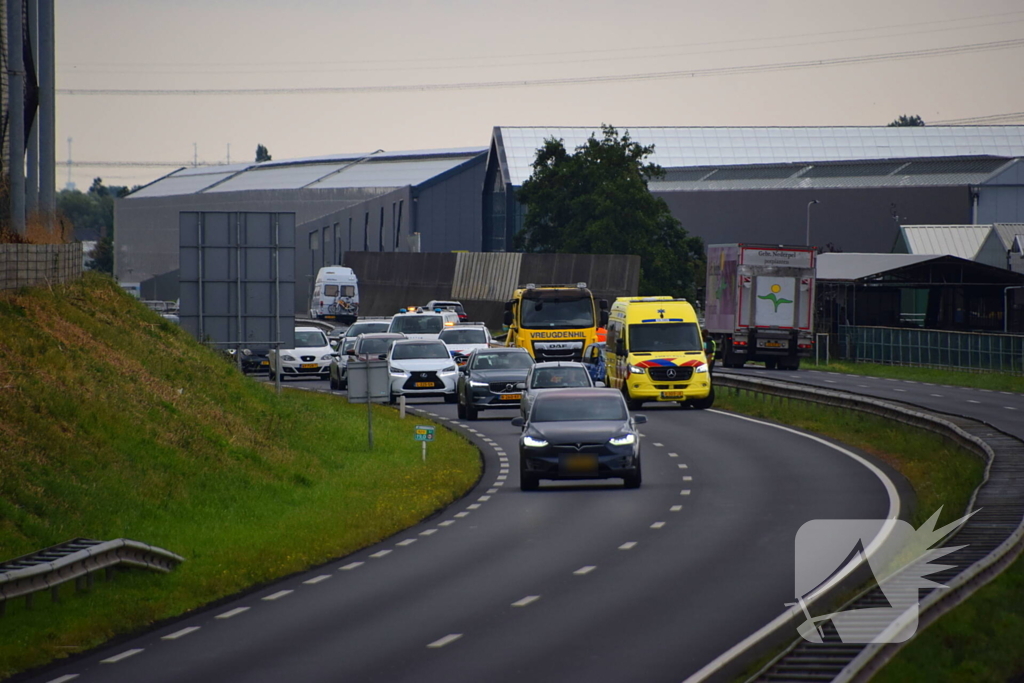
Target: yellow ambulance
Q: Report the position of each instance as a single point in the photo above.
(655, 352)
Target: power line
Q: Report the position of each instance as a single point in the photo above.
(583, 80)
(981, 120)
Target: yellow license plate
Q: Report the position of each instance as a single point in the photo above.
(309, 366)
(772, 345)
(328, 317)
(266, 362)
(584, 463)
(421, 385)
(673, 394)
(511, 397)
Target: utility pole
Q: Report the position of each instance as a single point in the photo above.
(32, 153)
(16, 113)
(195, 154)
(229, 154)
(47, 114)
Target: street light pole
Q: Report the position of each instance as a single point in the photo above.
(809, 204)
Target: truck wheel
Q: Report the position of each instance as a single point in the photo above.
(731, 359)
(789, 364)
(771, 363)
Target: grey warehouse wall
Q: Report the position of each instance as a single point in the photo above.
(1001, 199)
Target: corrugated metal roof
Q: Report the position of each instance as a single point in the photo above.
(849, 267)
(1009, 233)
(721, 146)
(955, 240)
(390, 173)
(180, 182)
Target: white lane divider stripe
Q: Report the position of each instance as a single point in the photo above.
(232, 613)
(447, 522)
(684, 492)
(1009, 407)
(64, 679)
(474, 506)
(428, 532)
(461, 514)
(903, 390)
(499, 483)
(317, 579)
(408, 541)
(350, 566)
(441, 642)
(484, 498)
(673, 455)
(657, 525)
(972, 401)
(585, 570)
(675, 508)
(124, 655)
(492, 491)
(381, 553)
(526, 601)
(687, 478)
(937, 395)
(628, 545)
(278, 595)
(682, 466)
(181, 633)
(659, 445)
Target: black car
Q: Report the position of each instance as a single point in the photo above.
(492, 378)
(579, 434)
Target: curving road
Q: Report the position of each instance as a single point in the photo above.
(581, 582)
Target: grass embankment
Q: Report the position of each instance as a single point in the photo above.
(959, 378)
(980, 641)
(116, 424)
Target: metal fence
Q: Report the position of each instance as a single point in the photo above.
(935, 348)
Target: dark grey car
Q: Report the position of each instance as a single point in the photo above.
(492, 378)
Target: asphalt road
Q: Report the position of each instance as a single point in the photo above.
(1003, 410)
(581, 582)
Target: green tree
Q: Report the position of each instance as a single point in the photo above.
(596, 201)
(262, 154)
(905, 120)
(103, 256)
(92, 210)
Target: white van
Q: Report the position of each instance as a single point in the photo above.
(335, 295)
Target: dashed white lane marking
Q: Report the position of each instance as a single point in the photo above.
(628, 545)
(124, 655)
(443, 418)
(673, 455)
(831, 381)
(448, 522)
(381, 553)
(441, 642)
(232, 613)
(1006, 393)
(863, 385)
(659, 445)
(179, 634)
(585, 570)
(682, 466)
(317, 579)
(428, 532)
(657, 525)
(499, 483)
(408, 541)
(642, 435)
(278, 595)
(687, 478)
(972, 401)
(903, 390)
(461, 514)
(484, 498)
(432, 414)
(526, 601)
(910, 381)
(350, 566)
(675, 508)
(1009, 407)
(937, 395)
(474, 506)
(64, 679)
(501, 477)
(487, 440)
(472, 431)
(492, 490)
(684, 492)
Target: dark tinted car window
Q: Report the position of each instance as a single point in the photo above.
(309, 339)
(410, 351)
(367, 328)
(554, 408)
(418, 324)
(375, 345)
(550, 378)
(464, 337)
(502, 361)
(664, 337)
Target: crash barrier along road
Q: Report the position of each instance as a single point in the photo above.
(76, 559)
(992, 538)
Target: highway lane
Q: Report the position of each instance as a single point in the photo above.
(1003, 410)
(575, 582)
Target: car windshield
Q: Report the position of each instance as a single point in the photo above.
(410, 351)
(664, 337)
(551, 407)
(417, 324)
(375, 345)
(550, 378)
(349, 344)
(557, 312)
(367, 328)
(502, 361)
(309, 339)
(472, 336)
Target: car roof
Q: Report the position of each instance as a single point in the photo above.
(575, 393)
(382, 335)
(306, 328)
(405, 342)
(502, 349)
(558, 364)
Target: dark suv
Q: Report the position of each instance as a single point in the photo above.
(492, 378)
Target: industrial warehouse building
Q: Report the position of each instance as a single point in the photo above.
(850, 187)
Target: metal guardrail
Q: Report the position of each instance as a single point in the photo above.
(77, 560)
(979, 351)
(993, 539)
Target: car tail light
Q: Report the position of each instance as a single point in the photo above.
(805, 346)
(739, 343)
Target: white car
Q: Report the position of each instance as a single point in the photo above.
(311, 356)
(465, 337)
(421, 324)
(422, 368)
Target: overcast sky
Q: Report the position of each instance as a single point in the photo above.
(263, 44)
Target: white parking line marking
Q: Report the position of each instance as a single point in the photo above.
(474, 506)
(526, 601)
(124, 655)
(687, 478)
(492, 490)
(350, 566)
(64, 679)
(179, 634)
(278, 595)
(408, 541)
(657, 525)
(628, 545)
(232, 613)
(461, 514)
(683, 465)
(441, 642)
(659, 445)
(381, 553)
(447, 522)
(317, 579)
(484, 498)
(585, 570)
(428, 532)
(684, 492)
(675, 508)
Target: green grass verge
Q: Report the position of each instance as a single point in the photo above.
(960, 378)
(116, 424)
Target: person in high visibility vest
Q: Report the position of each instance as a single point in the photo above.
(602, 334)
(710, 348)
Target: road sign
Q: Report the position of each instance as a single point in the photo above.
(424, 433)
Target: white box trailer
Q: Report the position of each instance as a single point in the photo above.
(760, 303)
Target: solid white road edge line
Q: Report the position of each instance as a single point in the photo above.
(441, 642)
(124, 655)
(181, 633)
(721, 660)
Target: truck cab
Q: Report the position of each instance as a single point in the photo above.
(554, 322)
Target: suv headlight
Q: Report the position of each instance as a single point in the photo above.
(480, 385)
(624, 440)
(531, 442)
(701, 368)
(287, 357)
(327, 356)
(449, 370)
(397, 371)
(634, 370)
